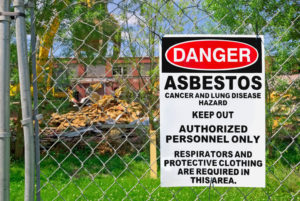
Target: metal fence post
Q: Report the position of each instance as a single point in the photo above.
(25, 100)
(35, 98)
(4, 102)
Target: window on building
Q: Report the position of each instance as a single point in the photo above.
(145, 68)
(120, 70)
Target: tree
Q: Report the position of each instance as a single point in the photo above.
(91, 33)
(277, 20)
(91, 29)
(154, 19)
(15, 106)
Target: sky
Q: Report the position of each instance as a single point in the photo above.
(138, 31)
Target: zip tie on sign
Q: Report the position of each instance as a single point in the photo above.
(26, 121)
(4, 134)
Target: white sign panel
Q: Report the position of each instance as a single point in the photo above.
(212, 111)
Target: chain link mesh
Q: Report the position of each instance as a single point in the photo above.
(98, 92)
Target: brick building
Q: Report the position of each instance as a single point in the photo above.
(134, 70)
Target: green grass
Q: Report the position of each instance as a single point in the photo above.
(117, 182)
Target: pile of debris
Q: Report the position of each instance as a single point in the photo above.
(107, 109)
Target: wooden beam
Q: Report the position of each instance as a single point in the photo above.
(153, 158)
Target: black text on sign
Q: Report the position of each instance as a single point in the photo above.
(212, 111)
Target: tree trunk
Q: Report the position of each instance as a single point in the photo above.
(19, 144)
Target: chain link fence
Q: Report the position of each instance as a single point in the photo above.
(97, 90)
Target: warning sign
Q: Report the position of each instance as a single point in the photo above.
(212, 111)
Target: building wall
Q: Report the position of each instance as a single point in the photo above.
(133, 75)
(95, 71)
(91, 74)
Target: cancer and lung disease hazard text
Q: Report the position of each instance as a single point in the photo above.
(212, 111)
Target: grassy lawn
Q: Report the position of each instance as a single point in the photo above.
(118, 181)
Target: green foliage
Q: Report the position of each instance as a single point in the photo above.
(14, 78)
(91, 30)
(283, 121)
(53, 105)
(115, 182)
(275, 19)
(44, 12)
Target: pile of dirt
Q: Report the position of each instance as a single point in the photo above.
(106, 109)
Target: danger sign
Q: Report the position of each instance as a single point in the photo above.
(212, 111)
